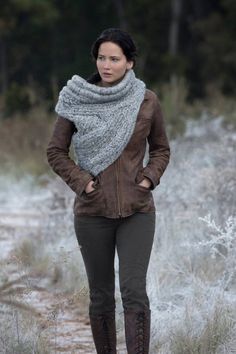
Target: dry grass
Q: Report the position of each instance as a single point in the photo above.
(23, 140)
(177, 110)
(217, 330)
(62, 268)
(30, 253)
(9, 290)
(61, 273)
(21, 334)
(19, 329)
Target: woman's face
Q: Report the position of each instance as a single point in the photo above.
(112, 63)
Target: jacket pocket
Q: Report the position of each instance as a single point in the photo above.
(139, 177)
(96, 185)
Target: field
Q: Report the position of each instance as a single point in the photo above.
(192, 273)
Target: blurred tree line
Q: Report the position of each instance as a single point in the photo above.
(44, 42)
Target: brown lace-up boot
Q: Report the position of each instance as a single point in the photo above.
(137, 331)
(104, 332)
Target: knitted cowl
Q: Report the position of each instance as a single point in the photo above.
(105, 118)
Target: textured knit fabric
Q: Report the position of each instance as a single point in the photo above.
(105, 118)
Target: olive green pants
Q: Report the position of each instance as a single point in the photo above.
(132, 236)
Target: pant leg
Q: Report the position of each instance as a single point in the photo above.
(96, 238)
(134, 239)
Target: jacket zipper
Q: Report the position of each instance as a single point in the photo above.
(117, 188)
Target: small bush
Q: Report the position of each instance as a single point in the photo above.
(17, 99)
(21, 334)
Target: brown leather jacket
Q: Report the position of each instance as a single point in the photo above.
(117, 191)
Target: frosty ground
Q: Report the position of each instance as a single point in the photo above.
(192, 273)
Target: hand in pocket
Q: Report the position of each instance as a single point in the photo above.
(146, 183)
(89, 188)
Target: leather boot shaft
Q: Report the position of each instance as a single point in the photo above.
(103, 328)
(137, 331)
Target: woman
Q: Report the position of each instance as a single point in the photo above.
(109, 118)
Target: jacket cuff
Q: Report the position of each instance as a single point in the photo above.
(84, 178)
(148, 173)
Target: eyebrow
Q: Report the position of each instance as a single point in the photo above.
(111, 56)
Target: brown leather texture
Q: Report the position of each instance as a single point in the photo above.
(137, 330)
(103, 328)
(117, 191)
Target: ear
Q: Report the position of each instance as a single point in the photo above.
(130, 64)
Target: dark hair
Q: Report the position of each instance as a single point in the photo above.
(119, 37)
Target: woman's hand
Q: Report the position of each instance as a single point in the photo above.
(145, 183)
(89, 188)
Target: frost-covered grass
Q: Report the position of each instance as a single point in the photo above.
(39, 251)
(20, 334)
(217, 328)
(192, 274)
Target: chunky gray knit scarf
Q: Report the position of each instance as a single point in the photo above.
(105, 118)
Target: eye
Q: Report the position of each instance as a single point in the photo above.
(115, 59)
(100, 57)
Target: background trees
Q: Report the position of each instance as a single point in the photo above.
(44, 42)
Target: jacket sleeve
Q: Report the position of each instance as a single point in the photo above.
(59, 160)
(159, 149)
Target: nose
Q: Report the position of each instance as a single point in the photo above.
(106, 64)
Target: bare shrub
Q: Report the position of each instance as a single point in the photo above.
(21, 334)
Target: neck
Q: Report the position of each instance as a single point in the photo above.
(108, 84)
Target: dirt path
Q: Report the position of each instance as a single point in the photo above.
(64, 321)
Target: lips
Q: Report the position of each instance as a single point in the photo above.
(106, 74)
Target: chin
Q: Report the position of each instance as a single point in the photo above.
(110, 82)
